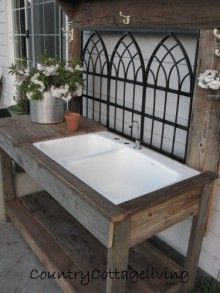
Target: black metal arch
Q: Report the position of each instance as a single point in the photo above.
(124, 70)
(126, 42)
(96, 51)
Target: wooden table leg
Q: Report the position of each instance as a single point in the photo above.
(196, 238)
(7, 181)
(117, 257)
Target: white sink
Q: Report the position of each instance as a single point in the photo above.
(70, 149)
(112, 167)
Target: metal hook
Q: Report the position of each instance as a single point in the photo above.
(69, 33)
(126, 18)
(217, 36)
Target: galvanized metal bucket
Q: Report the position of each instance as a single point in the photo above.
(49, 110)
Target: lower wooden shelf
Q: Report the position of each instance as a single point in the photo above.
(64, 246)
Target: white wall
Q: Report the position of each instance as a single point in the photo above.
(178, 235)
(6, 52)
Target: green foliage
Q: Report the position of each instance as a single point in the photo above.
(50, 73)
(22, 107)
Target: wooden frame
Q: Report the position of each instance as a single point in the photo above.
(116, 227)
(201, 14)
(204, 139)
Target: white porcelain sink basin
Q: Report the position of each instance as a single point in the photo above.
(110, 165)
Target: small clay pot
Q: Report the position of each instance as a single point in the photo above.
(72, 120)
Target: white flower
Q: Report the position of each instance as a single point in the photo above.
(214, 84)
(51, 70)
(40, 67)
(34, 78)
(67, 98)
(59, 91)
(79, 90)
(77, 67)
(27, 72)
(21, 72)
(29, 95)
(210, 79)
(69, 68)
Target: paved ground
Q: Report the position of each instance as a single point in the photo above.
(16, 263)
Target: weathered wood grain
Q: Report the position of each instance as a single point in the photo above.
(196, 238)
(162, 195)
(204, 136)
(157, 14)
(75, 57)
(62, 243)
(80, 245)
(145, 257)
(46, 249)
(7, 176)
(153, 220)
(117, 256)
(21, 129)
(7, 183)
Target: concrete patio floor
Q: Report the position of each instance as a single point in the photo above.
(16, 263)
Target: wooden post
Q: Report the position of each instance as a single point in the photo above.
(196, 238)
(74, 57)
(7, 182)
(204, 137)
(117, 257)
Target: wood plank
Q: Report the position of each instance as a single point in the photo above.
(7, 176)
(87, 253)
(46, 249)
(162, 195)
(7, 183)
(75, 57)
(196, 238)
(204, 139)
(161, 276)
(21, 129)
(157, 256)
(80, 245)
(117, 256)
(160, 217)
(157, 14)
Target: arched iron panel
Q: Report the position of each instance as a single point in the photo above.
(127, 68)
(96, 71)
(166, 63)
(123, 85)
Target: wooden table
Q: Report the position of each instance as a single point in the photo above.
(70, 226)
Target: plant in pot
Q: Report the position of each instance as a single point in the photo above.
(47, 87)
(210, 80)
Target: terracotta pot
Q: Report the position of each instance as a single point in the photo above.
(72, 120)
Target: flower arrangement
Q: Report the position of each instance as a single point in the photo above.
(210, 79)
(51, 75)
